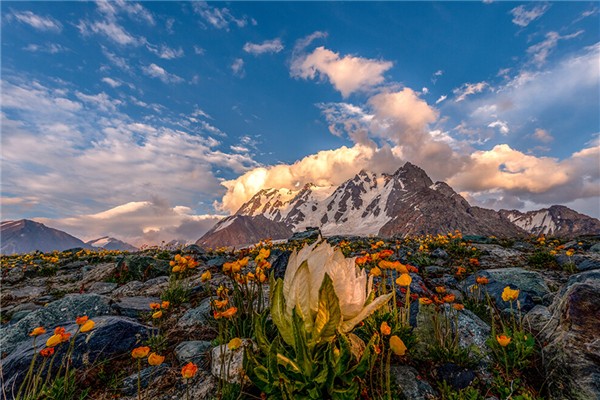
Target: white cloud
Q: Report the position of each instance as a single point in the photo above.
(111, 30)
(119, 62)
(501, 125)
(220, 18)
(436, 75)
(155, 71)
(165, 52)
(238, 67)
(523, 16)
(111, 82)
(468, 89)
(100, 101)
(347, 74)
(198, 50)
(135, 10)
(36, 21)
(539, 52)
(440, 99)
(138, 223)
(51, 48)
(543, 136)
(268, 46)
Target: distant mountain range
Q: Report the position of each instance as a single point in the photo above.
(407, 202)
(24, 236)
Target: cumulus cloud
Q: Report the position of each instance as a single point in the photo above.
(268, 46)
(523, 16)
(501, 125)
(38, 22)
(543, 135)
(348, 74)
(138, 223)
(155, 71)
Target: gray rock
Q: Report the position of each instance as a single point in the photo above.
(132, 288)
(537, 319)
(25, 293)
(112, 336)
(141, 268)
(19, 315)
(133, 306)
(229, 364)
(473, 331)
(455, 375)
(59, 312)
(439, 253)
(193, 249)
(102, 287)
(193, 351)
(531, 284)
(216, 262)
(26, 307)
(411, 387)
(196, 316)
(147, 375)
(436, 270)
(588, 263)
(279, 261)
(595, 248)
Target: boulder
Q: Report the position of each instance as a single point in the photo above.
(59, 312)
(147, 375)
(102, 287)
(192, 351)
(140, 268)
(410, 385)
(133, 306)
(279, 261)
(196, 316)
(228, 364)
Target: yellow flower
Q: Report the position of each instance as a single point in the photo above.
(570, 252)
(205, 277)
(140, 352)
(375, 271)
(88, 326)
(165, 304)
(503, 340)
(263, 254)
(54, 340)
(37, 331)
(155, 359)
(425, 301)
(243, 262)
(509, 294)
(262, 277)
(234, 343)
(176, 268)
(385, 328)
(157, 314)
(404, 280)
(440, 289)
(397, 345)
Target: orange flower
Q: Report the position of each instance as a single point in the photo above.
(460, 270)
(244, 261)
(37, 331)
(377, 349)
(440, 289)
(362, 260)
(88, 326)
(404, 280)
(54, 340)
(157, 314)
(189, 370)
(449, 298)
(227, 267)
(385, 253)
(222, 291)
(155, 359)
(234, 343)
(503, 340)
(81, 320)
(165, 304)
(397, 345)
(140, 352)
(482, 280)
(474, 261)
(509, 294)
(177, 268)
(220, 303)
(385, 329)
(205, 277)
(375, 271)
(458, 307)
(570, 252)
(59, 330)
(262, 278)
(47, 352)
(155, 306)
(64, 337)
(230, 312)
(425, 301)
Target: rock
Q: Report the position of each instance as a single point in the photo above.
(570, 339)
(595, 248)
(439, 253)
(477, 239)
(531, 284)
(98, 272)
(140, 268)
(196, 316)
(473, 331)
(193, 249)
(147, 375)
(523, 246)
(308, 234)
(537, 318)
(193, 351)
(58, 312)
(436, 270)
(229, 364)
(133, 306)
(102, 287)
(279, 262)
(409, 383)
(112, 336)
(129, 289)
(494, 256)
(19, 315)
(25, 293)
(216, 262)
(455, 375)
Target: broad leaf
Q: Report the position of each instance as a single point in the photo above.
(328, 313)
(347, 326)
(278, 313)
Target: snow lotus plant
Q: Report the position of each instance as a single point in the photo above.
(322, 297)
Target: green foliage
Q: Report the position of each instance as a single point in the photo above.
(542, 258)
(176, 293)
(517, 355)
(62, 388)
(158, 343)
(513, 388)
(447, 392)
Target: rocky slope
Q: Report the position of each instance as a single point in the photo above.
(24, 236)
(407, 202)
(242, 230)
(110, 243)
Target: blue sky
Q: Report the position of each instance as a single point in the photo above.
(162, 115)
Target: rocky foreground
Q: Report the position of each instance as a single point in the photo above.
(559, 296)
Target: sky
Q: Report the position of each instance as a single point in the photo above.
(149, 121)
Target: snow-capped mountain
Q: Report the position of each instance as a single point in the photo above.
(407, 202)
(554, 221)
(110, 243)
(24, 236)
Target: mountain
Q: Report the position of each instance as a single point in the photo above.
(242, 230)
(24, 236)
(407, 202)
(110, 243)
(553, 221)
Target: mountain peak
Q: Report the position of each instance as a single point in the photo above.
(411, 174)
